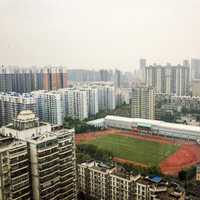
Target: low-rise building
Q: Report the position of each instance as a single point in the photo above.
(101, 181)
(156, 127)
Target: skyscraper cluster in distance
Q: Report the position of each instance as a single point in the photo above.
(173, 80)
(23, 80)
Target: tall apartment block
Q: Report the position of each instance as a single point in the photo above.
(106, 96)
(51, 156)
(195, 69)
(168, 79)
(142, 69)
(54, 78)
(100, 181)
(143, 103)
(49, 106)
(77, 104)
(14, 170)
(12, 103)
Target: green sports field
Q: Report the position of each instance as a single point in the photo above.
(145, 152)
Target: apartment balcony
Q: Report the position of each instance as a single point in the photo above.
(48, 172)
(65, 180)
(65, 150)
(49, 177)
(20, 162)
(24, 177)
(19, 172)
(18, 158)
(48, 159)
(47, 154)
(18, 154)
(49, 165)
(66, 172)
(23, 192)
(50, 188)
(50, 195)
(24, 196)
(48, 148)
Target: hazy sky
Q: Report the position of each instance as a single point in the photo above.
(101, 33)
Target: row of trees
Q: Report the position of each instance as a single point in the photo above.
(79, 126)
(89, 151)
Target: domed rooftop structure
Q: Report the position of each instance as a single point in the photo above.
(25, 120)
(26, 115)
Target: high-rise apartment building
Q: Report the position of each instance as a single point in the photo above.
(195, 68)
(54, 78)
(168, 79)
(92, 96)
(106, 97)
(12, 103)
(106, 75)
(142, 69)
(77, 104)
(51, 155)
(143, 103)
(14, 168)
(49, 106)
(117, 79)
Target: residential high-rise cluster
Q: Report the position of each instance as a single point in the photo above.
(143, 103)
(101, 181)
(38, 161)
(78, 102)
(23, 80)
(168, 79)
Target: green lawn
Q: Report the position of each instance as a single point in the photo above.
(145, 152)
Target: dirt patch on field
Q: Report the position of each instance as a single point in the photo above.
(186, 156)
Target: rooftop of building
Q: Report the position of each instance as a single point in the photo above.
(96, 121)
(121, 173)
(153, 180)
(97, 165)
(26, 115)
(150, 123)
(43, 137)
(8, 142)
(174, 192)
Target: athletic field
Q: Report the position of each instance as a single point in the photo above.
(149, 153)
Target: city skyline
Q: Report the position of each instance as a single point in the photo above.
(98, 34)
